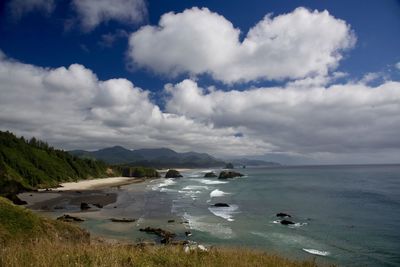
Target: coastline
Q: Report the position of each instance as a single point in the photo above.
(97, 183)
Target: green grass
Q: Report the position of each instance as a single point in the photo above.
(19, 223)
(30, 240)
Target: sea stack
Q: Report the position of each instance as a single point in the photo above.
(173, 174)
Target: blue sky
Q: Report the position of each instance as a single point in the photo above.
(351, 48)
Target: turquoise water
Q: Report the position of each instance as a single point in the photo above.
(349, 214)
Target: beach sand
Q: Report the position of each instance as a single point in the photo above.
(99, 183)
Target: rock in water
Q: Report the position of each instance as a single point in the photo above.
(173, 174)
(286, 222)
(166, 235)
(283, 215)
(229, 174)
(210, 175)
(221, 205)
(69, 218)
(122, 220)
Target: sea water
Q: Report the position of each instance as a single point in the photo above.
(347, 215)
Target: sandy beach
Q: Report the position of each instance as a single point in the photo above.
(99, 183)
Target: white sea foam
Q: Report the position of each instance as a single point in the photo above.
(195, 187)
(317, 252)
(216, 229)
(297, 225)
(209, 182)
(167, 182)
(225, 212)
(277, 221)
(218, 193)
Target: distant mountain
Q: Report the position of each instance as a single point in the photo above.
(155, 157)
(253, 162)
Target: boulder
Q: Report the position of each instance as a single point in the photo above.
(283, 215)
(229, 174)
(69, 218)
(221, 205)
(171, 221)
(173, 174)
(188, 233)
(210, 175)
(98, 205)
(286, 222)
(85, 206)
(164, 234)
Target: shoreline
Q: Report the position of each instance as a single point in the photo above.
(97, 183)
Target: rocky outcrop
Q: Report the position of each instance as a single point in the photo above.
(221, 205)
(85, 206)
(69, 218)
(124, 220)
(210, 175)
(286, 222)
(164, 234)
(283, 215)
(229, 174)
(173, 174)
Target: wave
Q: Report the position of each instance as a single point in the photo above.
(217, 193)
(316, 252)
(195, 187)
(166, 182)
(224, 212)
(210, 182)
(216, 229)
(297, 225)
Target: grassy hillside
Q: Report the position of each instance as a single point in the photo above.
(20, 224)
(29, 240)
(28, 164)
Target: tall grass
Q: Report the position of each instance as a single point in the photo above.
(55, 253)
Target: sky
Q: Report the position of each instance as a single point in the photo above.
(299, 82)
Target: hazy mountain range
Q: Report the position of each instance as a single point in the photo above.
(161, 157)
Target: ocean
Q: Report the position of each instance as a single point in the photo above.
(346, 215)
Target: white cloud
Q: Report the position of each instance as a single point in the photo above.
(70, 107)
(299, 44)
(321, 121)
(94, 12)
(397, 65)
(19, 8)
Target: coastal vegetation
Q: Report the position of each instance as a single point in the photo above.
(31, 164)
(30, 240)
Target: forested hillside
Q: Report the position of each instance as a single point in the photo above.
(29, 164)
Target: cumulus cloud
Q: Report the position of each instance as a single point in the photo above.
(295, 45)
(19, 8)
(94, 12)
(397, 65)
(322, 121)
(71, 108)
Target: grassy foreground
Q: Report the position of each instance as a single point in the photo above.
(29, 240)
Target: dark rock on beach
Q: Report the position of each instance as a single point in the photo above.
(171, 221)
(122, 220)
(85, 206)
(98, 205)
(229, 174)
(69, 218)
(286, 222)
(210, 175)
(173, 174)
(221, 205)
(188, 233)
(283, 215)
(164, 234)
